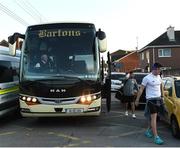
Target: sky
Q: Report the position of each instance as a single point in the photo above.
(128, 23)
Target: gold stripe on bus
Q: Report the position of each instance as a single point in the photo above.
(8, 90)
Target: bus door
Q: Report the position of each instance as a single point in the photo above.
(106, 87)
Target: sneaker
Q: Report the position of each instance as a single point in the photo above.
(133, 115)
(158, 140)
(126, 113)
(148, 133)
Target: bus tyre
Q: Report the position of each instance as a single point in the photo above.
(175, 127)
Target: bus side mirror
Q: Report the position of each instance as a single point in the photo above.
(12, 49)
(12, 42)
(102, 42)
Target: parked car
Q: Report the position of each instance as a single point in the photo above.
(172, 103)
(117, 79)
(9, 81)
(138, 76)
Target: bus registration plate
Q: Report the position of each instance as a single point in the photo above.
(74, 110)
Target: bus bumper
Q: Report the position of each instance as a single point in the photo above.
(45, 110)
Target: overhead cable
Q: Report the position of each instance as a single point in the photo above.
(13, 15)
(27, 11)
(31, 10)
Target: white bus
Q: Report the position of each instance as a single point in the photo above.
(71, 85)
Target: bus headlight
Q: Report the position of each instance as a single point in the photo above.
(83, 99)
(30, 100)
(88, 99)
(24, 98)
(94, 97)
(34, 100)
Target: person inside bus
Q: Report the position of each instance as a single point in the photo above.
(45, 63)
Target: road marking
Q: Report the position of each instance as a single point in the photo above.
(125, 125)
(72, 138)
(67, 136)
(26, 128)
(127, 134)
(121, 112)
(113, 136)
(27, 134)
(86, 142)
(7, 133)
(64, 136)
(131, 133)
(72, 145)
(109, 117)
(51, 133)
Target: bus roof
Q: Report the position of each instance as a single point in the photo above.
(61, 24)
(67, 22)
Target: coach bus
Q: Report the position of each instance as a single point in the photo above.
(71, 83)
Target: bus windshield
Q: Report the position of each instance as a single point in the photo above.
(51, 53)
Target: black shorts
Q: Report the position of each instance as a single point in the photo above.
(153, 107)
(128, 99)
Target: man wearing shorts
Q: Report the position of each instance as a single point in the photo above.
(153, 85)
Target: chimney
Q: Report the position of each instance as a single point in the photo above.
(170, 33)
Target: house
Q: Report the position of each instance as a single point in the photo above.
(129, 62)
(4, 43)
(118, 54)
(166, 50)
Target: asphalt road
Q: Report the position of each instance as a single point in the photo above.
(109, 130)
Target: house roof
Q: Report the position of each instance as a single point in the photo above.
(120, 51)
(119, 54)
(163, 41)
(4, 43)
(130, 53)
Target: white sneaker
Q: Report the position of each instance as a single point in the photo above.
(126, 113)
(133, 115)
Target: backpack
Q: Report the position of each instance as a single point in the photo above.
(130, 87)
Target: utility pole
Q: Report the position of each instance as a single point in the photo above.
(137, 43)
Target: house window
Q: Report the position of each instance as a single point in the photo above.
(142, 56)
(164, 52)
(147, 54)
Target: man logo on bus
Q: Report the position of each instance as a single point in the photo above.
(57, 90)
